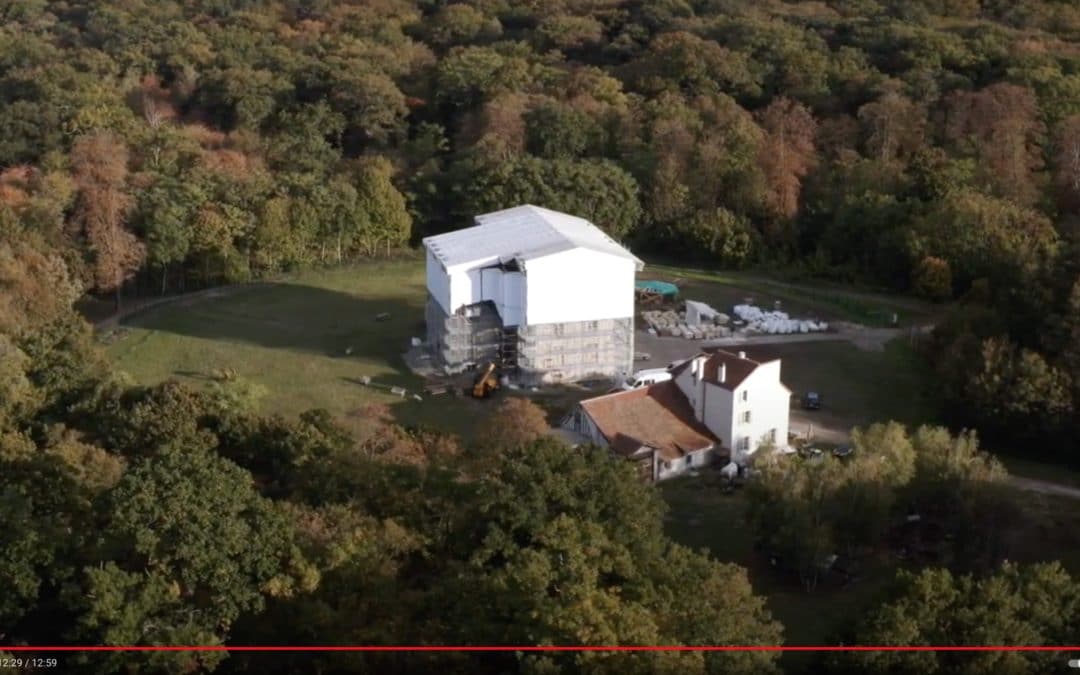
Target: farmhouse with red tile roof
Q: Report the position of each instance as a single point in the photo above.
(719, 405)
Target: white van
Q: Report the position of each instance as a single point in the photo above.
(644, 378)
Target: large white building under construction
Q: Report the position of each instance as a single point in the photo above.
(546, 295)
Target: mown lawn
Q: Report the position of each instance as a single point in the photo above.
(292, 338)
(308, 341)
(858, 387)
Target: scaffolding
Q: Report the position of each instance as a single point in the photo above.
(472, 335)
(577, 350)
(532, 354)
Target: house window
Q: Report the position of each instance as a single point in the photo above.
(744, 443)
(689, 461)
(559, 329)
(745, 417)
(547, 363)
(592, 325)
(772, 435)
(745, 395)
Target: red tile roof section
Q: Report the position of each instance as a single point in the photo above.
(658, 416)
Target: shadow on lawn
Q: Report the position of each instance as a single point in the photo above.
(300, 318)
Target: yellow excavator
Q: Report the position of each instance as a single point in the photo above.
(486, 382)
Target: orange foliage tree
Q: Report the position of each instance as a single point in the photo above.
(99, 163)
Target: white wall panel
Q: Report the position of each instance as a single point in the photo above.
(491, 285)
(438, 283)
(464, 288)
(578, 285)
(512, 310)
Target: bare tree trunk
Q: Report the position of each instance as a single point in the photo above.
(164, 276)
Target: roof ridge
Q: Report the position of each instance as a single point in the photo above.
(734, 355)
(542, 214)
(638, 391)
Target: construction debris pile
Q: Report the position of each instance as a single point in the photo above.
(669, 323)
(762, 321)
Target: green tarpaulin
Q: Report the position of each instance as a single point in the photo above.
(661, 287)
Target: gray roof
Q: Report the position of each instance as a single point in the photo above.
(521, 233)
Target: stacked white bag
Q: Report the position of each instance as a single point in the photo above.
(774, 322)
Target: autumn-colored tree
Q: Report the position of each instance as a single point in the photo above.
(515, 421)
(1067, 163)
(1000, 125)
(893, 126)
(497, 129)
(99, 163)
(787, 154)
(36, 285)
(932, 278)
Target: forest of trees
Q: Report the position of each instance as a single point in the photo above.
(168, 514)
(922, 146)
(929, 147)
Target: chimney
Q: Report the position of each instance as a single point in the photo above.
(723, 373)
(742, 355)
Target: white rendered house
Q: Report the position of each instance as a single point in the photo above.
(719, 405)
(541, 292)
(741, 401)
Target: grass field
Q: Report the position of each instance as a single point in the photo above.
(857, 387)
(292, 338)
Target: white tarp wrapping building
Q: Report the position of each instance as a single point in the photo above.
(542, 292)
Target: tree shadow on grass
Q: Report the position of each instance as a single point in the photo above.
(300, 318)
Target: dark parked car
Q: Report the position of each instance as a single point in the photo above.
(812, 401)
